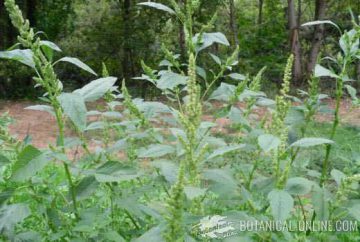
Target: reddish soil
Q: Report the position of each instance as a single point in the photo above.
(41, 126)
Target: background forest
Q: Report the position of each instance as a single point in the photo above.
(121, 34)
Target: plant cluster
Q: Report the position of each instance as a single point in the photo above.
(159, 168)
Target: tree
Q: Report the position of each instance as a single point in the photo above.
(320, 9)
(127, 60)
(233, 25)
(295, 40)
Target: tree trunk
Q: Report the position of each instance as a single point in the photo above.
(318, 36)
(260, 9)
(233, 25)
(294, 41)
(127, 60)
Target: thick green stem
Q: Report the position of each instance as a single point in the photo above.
(60, 123)
(339, 94)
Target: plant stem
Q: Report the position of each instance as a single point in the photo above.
(60, 123)
(339, 93)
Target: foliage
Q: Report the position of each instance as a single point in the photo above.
(158, 168)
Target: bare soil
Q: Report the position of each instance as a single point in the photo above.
(41, 126)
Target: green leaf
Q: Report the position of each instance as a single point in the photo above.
(223, 93)
(78, 63)
(298, 186)
(29, 162)
(23, 56)
(167, 169)
(95, 125)
(351, 91)
(321, 71)
(43, 108)
(209, 39)
(308, 142)
(96, 89)
(216, 59)
(12, 214)
(320, 201)
(74, 107)
(317, 22)
(50, 44)
(354, 211)
(237, 76)
(154, 234)
(113, 236)
(158, 6)
(170, 80)
(281, 204)
(86, 187)
(194, 192)
(268, 142)
(349, 42)
(113, 171)
(337, 176)
(5, 195)
(3, 160)
(156, 150)
(223, 150)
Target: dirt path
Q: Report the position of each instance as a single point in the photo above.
(41, 126)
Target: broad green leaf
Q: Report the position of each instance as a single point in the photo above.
(78, 63)
(320, 201)
(50, 45)
(209, 39)
(96, 89)
(29, 162)
(223, 93)
(337, 176)
(170, 80)
(349, 42)
(154, 234)
(86, 187)
(156, 150)
(95, 125)
(220, 175)
(354, 211)
(113, 236)
(113, 171)
(3, 160)
(43, 108)
(216, 59)
(12, 214)
(194, 192)
(223, 150)
(298, 186)
(308, 142)
(321, 71)
(237, 76)
(236, 116)
(5, 195)
(168, 169)
(28, 236)
(281, 204)
(268, 142)
(74, 107)
(158, 6)
(351, 91)
(23, 56)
